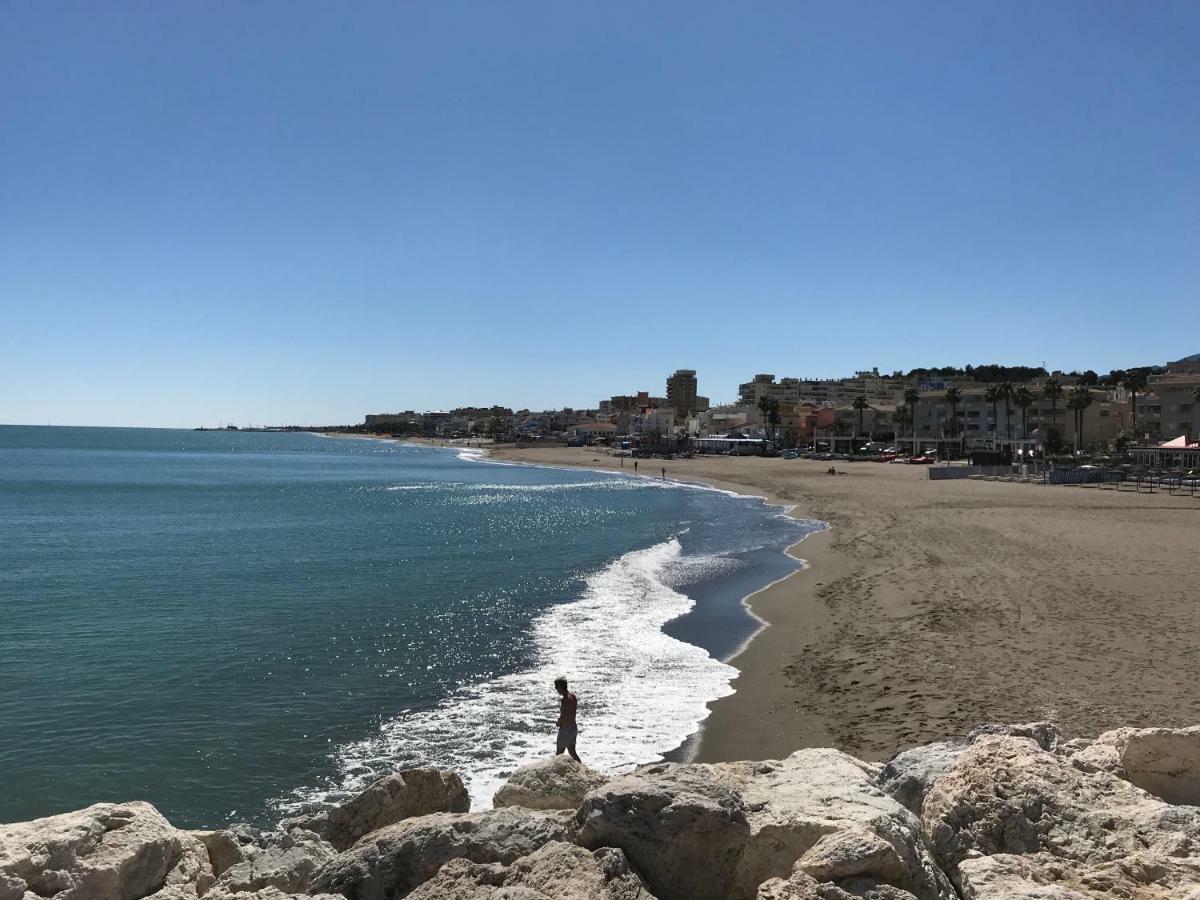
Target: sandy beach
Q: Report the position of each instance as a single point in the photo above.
(931, 606)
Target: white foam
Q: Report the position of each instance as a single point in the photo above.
(641, 692)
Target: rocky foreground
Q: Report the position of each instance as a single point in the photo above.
(1012, 811)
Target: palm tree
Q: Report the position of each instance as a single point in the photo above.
(991, 394)
(1024, 399)
(1053, 390)
(860, 403)
(1134, 382)
(901, 417)
(769, 407)
(911, 397)
(1078, 401)
(1006, 393)
(954, 397)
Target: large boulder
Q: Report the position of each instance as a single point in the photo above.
(402, 795)
(393, 861)
(804, 887)
(286, 861)
(556, 871)
(271, 893)
(1163, 761)
(909, 774)
(191, 875)
(109, 851)
(1066, 829)
(718, 831)
(558, 782)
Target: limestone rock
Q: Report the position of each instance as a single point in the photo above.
(1037, 877)
(413, 792)
(1012, 878)
(1044, 734)
(192, 874)
(1071, 829)
(286, 861)
(850, 853)
(224, 848)
(909, 774)
(804, 887)
(556, 871)
(1162, 761)
(109, 851)
(557, 782)
(393, 861)
(272, 893)
(718, 831)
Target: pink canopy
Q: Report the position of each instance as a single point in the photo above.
(1179, 443)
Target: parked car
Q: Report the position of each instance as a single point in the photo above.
(790, 454)
(920, 460)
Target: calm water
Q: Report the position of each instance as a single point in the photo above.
(235, 626)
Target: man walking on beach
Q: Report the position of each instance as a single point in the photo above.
(568, 730)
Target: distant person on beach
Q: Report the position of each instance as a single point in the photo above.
(635, 465)
(664, 473)
(568, 730)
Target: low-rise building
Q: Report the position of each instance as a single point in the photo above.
(592, 432)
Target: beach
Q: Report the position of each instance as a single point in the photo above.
(928, 607)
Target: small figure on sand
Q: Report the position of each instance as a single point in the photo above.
(664, 473)
(568, 730)
(635, 465)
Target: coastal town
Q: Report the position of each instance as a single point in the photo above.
(990, 414)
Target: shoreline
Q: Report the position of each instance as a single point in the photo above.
(719, 743)
(927, 607)
(700, 746)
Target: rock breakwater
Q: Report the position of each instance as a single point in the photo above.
(1009, 811)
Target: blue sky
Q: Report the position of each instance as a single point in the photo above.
(302, 212)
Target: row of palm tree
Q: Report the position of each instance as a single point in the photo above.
(1078, 400)
(1011, 396)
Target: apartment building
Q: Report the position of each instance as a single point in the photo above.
(821, 391)
(786, 390)
(981, 423)
(681, 392)
(1167, 407)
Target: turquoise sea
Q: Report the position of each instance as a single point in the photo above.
(237, 626)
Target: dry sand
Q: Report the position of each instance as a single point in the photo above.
(932, 606)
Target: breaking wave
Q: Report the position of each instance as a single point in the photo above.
(641, 692)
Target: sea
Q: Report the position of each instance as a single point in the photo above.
(244, 626)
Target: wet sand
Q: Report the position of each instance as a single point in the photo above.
(929, 607)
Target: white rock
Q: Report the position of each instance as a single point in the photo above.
(803, 887)
(718, 831)
(557, 782)
(556, 871)
(909, 774)
(109, 851)
(286, 861)
(1163, 761)
(394, 860)
(414, 792)
(271, 893)
(1007, 796)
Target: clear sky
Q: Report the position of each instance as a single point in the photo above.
(301, 212)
